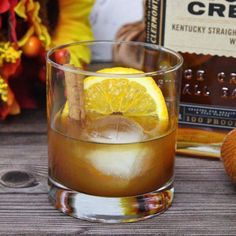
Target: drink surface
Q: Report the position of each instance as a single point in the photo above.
(112, 155)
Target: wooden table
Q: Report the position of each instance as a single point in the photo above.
(204, 204)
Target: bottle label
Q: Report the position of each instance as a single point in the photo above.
(205, 32)
(209, 25)
(207, 116)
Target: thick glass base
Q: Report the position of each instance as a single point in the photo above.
(110, 209)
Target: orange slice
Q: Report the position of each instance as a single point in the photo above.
(129, 96)
(136, 97)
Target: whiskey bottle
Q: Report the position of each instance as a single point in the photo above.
(204, 32)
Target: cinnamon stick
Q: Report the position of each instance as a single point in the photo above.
(75, 95)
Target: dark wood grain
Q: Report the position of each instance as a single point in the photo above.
(30, 121)
(204, 203)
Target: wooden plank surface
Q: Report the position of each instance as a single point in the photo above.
(204, 203)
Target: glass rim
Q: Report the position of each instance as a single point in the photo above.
(78, 70)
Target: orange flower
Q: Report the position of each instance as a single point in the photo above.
(8, 103)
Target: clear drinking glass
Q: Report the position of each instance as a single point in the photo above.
(112, 128)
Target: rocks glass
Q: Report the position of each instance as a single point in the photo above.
(112, 120)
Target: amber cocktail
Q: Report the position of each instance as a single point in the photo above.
(112, 131)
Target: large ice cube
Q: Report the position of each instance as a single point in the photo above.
(115, 129)
(125, 161)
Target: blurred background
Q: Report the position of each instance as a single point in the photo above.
(107, 17)
(29, 28)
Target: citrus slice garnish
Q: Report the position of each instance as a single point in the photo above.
(131, 97)
(138, 98)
